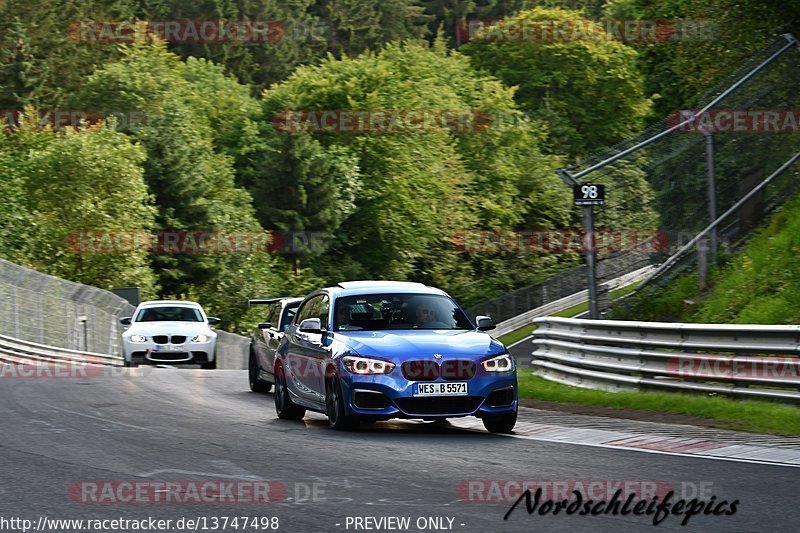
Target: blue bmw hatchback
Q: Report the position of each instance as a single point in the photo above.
(376, 350)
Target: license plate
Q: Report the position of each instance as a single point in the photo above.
(160, 348)
(458, 388)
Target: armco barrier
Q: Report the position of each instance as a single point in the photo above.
(47, 315)
(232, 351)
(16, 351)
(742, 360)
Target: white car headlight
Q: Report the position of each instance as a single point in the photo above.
(502, 363)
(200, 338)
(365, 365)
(138, 338)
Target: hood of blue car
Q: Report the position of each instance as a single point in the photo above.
(415, 343)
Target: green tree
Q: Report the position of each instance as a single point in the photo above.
(295, 37)
(450, 15)
(83, 188)
(16, 217)
(43, 53)
(453, 15)
(419, 188)
(589, 89)
(191, 147)
(21, 74)
(304, 31)
(681, 69)
(312, 189)
(356, 26)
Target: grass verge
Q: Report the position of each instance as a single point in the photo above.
(517, 335)
(740, 415)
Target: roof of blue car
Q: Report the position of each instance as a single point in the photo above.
(346, 288)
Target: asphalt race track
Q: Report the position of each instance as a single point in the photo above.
(60, 435)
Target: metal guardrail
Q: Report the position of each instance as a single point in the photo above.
(16, 351)
(756, 361)
(232, 353)
(51, 311)
(512, 324)
(46, 318)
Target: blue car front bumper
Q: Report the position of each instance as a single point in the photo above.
(391, 396)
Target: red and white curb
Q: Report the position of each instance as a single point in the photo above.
(783, 455)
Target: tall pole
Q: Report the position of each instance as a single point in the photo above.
(589, 245)
(591, 261)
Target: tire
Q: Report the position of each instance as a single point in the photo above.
(212, 365)
(334, 406)
(284, 406)
(130, 364)
(503, 423)
(256, 383)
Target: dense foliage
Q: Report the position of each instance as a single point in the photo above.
(197, 142)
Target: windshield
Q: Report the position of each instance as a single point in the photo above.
(398, 311)
(172, 314)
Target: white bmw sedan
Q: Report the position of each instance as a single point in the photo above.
(170, 332)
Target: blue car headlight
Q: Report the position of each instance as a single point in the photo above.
(501, 363)
(366, 365)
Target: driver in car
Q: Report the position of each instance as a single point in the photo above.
(425, 315)
(343, 318)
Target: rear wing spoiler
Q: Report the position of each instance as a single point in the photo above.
(264, 301)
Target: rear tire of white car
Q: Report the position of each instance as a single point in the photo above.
(284, 406)
(502, 423)
(256, 383)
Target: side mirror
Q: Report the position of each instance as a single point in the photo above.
(264, 325)
(125, 321)
(485, 323)
(311, 325)
(214, 320)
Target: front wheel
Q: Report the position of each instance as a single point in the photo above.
(334, 406)
(501, 423)
(284, 406)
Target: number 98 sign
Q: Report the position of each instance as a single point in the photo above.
(588, 194)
